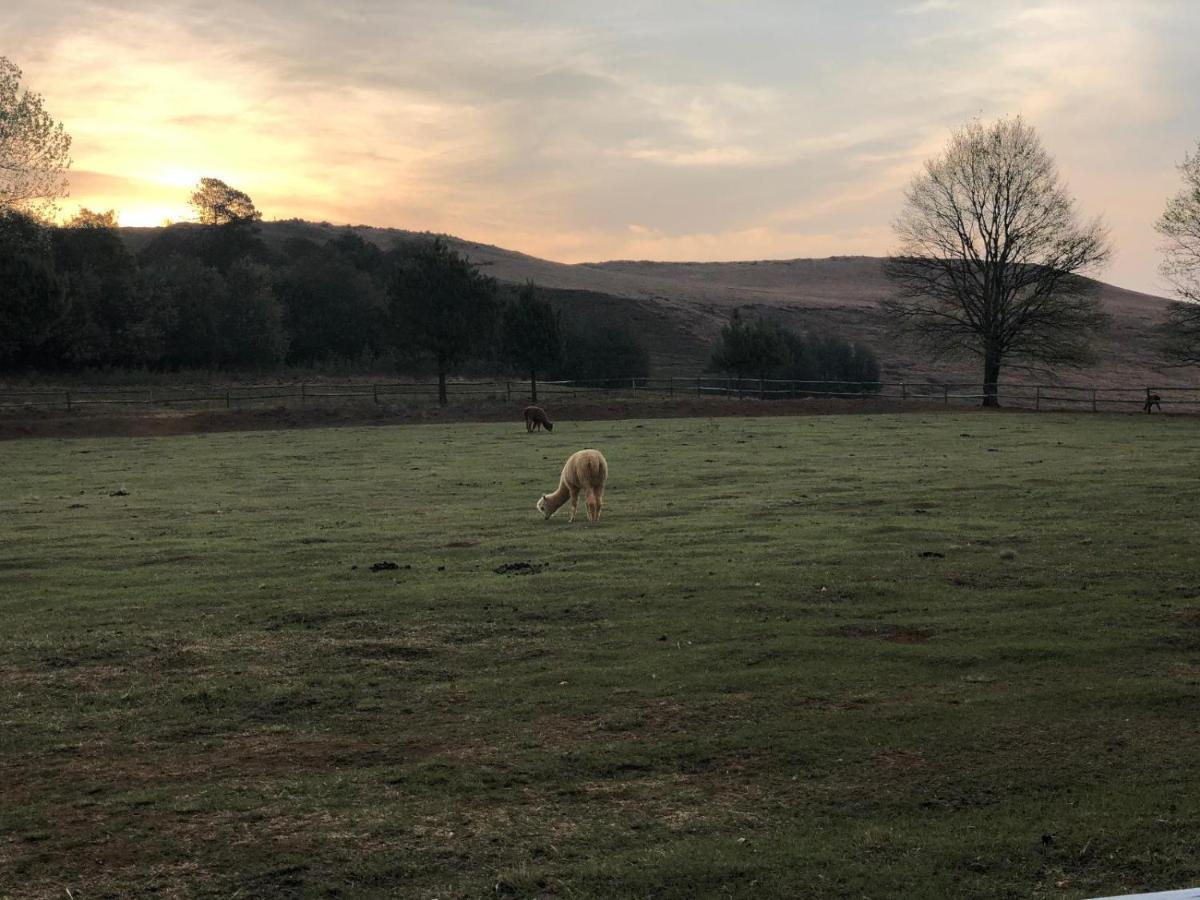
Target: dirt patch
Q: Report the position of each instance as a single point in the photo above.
(382, 649)
(1188, 617)
(244, 754)
(310, 618)
(896, 634)
(899, 760)
(520, 568)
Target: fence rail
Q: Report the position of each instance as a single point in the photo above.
(892, 393)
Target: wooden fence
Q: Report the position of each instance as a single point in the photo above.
(895, 394)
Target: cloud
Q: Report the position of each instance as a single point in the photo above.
(926, 7)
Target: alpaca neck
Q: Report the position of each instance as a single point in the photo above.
(559, 497)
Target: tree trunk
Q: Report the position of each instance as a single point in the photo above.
(533, 385)
(442, 401)
(991, 378)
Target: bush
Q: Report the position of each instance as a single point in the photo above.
(765, 350)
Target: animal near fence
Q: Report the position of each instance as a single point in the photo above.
(893, 394)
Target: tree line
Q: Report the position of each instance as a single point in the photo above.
(762, 349)
(216, 297)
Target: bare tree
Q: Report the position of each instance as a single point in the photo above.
(34, 149)
(1180, 226)
(991, 255)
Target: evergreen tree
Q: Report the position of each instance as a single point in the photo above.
(531, 339)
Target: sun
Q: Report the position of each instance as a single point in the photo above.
(148, 216)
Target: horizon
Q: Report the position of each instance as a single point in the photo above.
(681, 133)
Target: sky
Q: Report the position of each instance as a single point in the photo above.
(583, 131)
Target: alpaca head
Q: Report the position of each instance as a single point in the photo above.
(549, 425)
(542, 508)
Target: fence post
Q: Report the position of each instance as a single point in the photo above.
(1037, 402)
(946, 394)
(227, 399)
(508, 391)
(1093, 400)
(68, 394)
(699, 390)
(303, 394)
(1148, 393)
(375, 392)
(670, 385)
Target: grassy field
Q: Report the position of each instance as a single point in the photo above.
(861, 656)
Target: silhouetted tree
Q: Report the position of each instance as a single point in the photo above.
(110, 322)
(1180, 226)
(332, 308)
(531, 340)
(596, 355)
(87, 218)
(22, 232)
(746, 347)
(216, 203)
(192, 295)
(250, 319)
(34, 149)
(33, 303)
(831, 361)
(216, 246)
(440, 305)
(362, 254)
(990, 251)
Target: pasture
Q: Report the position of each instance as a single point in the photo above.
(947, 655)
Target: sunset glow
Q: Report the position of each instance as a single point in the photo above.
(149, 216)
(579, 132)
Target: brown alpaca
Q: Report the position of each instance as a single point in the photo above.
(1153, 400)
(585, 471)
(535, 417)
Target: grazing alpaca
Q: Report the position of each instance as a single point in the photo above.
(586, 470)
(535, 417)
(1153, 400)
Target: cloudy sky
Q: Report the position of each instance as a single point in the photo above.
(676, 129)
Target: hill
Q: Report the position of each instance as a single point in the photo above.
(679, 307)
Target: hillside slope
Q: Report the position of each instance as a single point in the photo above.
(678, 308)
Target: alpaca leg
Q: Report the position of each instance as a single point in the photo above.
(599, 496)
(593, 508)
(574, 504)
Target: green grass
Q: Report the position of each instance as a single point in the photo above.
(746, 681)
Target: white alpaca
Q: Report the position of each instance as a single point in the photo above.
(586, 470)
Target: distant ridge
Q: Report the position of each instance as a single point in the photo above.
(679, 307)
